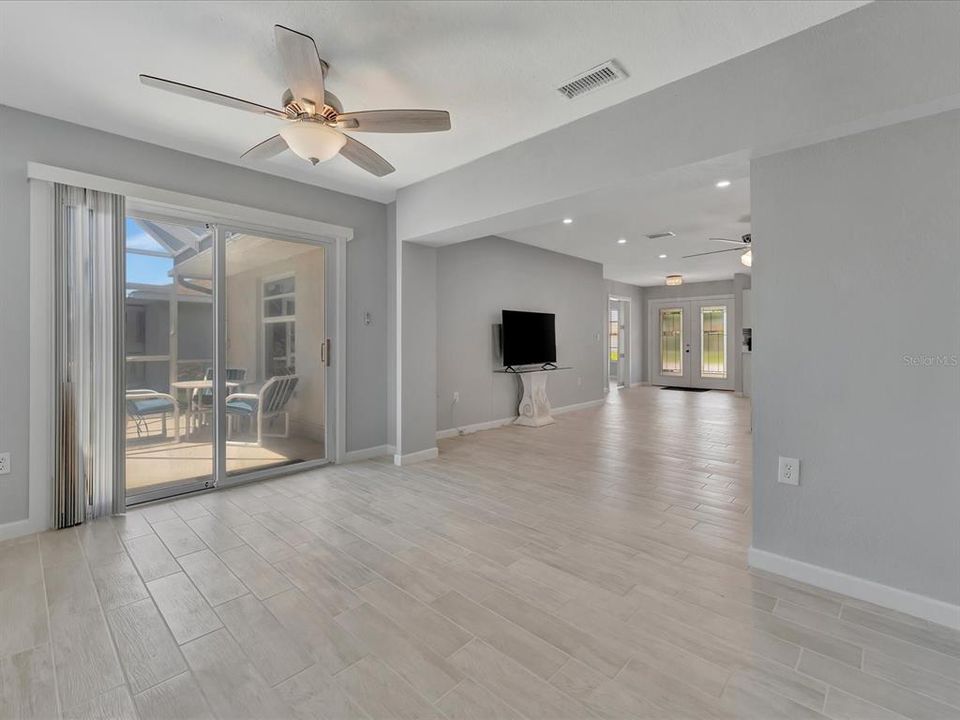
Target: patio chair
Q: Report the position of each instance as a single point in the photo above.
(144, 403)
(203, 399)
(270, 402)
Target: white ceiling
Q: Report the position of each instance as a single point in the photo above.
(684, 201)
(494, 65)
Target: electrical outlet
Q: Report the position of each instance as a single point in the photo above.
(456, 397)
(4, 463)
(788, 471)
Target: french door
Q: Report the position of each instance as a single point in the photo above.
(691, 343)
(228, 354)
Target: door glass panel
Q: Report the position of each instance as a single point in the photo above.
(168, 331)
(671, 341)
(275, 402)
(713, 342)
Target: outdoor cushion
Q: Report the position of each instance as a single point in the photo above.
(246, 406)
(151, 406)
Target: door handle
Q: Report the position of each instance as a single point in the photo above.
(325, 352)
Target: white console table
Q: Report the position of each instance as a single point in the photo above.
(534, 408)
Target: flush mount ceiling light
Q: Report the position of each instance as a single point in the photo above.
(622, 241)
(723, 184)
(674, 279)
(313, 140)
(662, 256)
(567, 221)
(747, 258)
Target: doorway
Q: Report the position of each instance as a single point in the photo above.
(618, 342)
(691, 343)
(227, 355)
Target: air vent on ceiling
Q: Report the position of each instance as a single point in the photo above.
(605, 74)
(657, 236)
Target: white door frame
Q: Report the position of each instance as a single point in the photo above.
(691, 376)
(626, 316)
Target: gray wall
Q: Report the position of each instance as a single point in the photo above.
(25, 137)
(637, 320)
(418, 426)
(391, 319)
(479, 278)
(856, 293)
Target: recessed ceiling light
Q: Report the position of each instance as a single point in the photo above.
(567, 221)
(622, 241)
(662, 257)
(723, 183)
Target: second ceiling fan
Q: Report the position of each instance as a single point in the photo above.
(314, 115)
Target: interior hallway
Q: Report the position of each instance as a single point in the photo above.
(594, 568)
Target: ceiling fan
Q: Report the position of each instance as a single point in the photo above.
(314, 115)
(745, 259)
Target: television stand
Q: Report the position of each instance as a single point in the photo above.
(534, 408)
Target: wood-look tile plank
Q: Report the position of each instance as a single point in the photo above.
(470, 701)
(383, 694)
(530, 651)
(216, 534)
(117, 580)
(27, 687)
(426, 671)
(83, 655)
(186, 612)
(151, 557)
(259, 576)
(178, 698)
(433, 629)
(178, 537)
(314, 694)
(276, 653)
(23, 618)
(232, 686)
(330, 646)
(514, 684)
(114, 704)
(873, 689)
(147, 650)
(213, 579)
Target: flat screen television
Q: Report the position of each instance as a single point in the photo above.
(529, 338)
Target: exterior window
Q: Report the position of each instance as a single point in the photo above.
(279, 326)
(671, 341)
(713, 344)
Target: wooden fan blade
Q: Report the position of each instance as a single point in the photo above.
(362, 156)
(209, 96)
(395, 121)
(714, 252)
(301, 64)
(267, 149)
(728, 240)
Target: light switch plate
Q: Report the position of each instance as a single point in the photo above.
(788, 471)
(4, 463)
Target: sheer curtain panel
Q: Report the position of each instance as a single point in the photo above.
(88, 365)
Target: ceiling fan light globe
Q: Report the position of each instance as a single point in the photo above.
(747, 259)
(313, 141)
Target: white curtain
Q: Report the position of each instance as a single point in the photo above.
(89, 243)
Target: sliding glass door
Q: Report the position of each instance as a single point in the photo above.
(227, 355)
(275, 352)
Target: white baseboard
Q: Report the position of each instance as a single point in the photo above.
(491, 424)
(921, 606)
(642, 383)
(415, 457)
(19, 528)
(368, 453)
